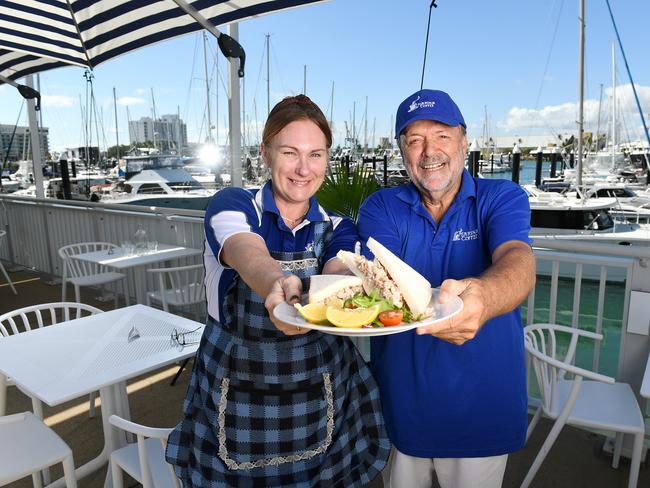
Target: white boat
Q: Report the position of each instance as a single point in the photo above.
(160, 188)
(630, 205)
(557, 214)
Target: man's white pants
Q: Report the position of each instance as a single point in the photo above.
(414, 472)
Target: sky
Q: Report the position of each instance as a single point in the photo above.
(512, 62)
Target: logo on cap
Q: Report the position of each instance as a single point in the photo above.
(416, 105)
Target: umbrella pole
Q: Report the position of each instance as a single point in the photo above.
(234, 115)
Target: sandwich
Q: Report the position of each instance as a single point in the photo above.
(391, 279)
(333, 289)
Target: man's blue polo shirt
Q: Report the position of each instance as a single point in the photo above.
(439, 399)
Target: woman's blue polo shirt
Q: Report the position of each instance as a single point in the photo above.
(442, 400)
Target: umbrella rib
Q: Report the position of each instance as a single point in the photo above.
(76, 26)
(192, 12)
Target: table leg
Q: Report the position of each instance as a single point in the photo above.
(110, 398)
(140, 285)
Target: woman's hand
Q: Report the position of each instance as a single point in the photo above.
(287, 288)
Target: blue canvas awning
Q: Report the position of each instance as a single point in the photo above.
(37, 35)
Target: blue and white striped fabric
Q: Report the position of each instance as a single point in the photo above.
(37, 35)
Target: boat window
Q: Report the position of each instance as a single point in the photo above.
(623, 192)
(184, 185)
(604, 220)
(557, 219)
(571, 219)
(151, 189)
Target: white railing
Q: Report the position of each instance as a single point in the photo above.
(37, 228)
(581, 269)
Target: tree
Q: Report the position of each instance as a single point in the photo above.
(342, 193)
(111, 152)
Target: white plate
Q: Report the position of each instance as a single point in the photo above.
(288, 313)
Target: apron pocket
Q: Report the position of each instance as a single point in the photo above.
(262, 425)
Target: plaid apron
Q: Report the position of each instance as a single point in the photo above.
(268, 410)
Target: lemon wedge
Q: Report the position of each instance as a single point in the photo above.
(313, 312)
(351, 317)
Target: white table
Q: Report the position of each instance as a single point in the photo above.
(71, 359)
(118, 260)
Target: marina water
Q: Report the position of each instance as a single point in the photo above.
(613, 312)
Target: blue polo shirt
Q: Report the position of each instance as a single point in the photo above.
(235, 210)
(439, 399)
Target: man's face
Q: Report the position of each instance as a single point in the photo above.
(434, 157)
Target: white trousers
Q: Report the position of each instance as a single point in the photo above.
(414, 472)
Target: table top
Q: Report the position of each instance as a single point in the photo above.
(119, 261)
(645, 386)
(68, 360)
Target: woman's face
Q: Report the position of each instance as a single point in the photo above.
(297, 157)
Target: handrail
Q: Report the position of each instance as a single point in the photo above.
(562, 243)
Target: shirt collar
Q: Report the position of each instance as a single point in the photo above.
(314, 213)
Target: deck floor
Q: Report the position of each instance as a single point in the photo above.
(575, 461)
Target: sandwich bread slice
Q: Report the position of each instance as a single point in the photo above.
(332, 289)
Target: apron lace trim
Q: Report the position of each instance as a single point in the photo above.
(299, 265)
(273, 461)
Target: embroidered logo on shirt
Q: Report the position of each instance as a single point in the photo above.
(310, 247)
(465, 235)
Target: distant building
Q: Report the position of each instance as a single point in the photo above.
(385, 143)
(20, 147)
(526, 142)
(167, 132)
(78, 154)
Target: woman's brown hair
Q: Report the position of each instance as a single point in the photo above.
(290, 109)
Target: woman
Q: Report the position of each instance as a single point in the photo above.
(270, 404)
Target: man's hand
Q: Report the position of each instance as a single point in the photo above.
(287, 288)
(464, 326)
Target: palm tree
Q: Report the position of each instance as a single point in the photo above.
(343, 193)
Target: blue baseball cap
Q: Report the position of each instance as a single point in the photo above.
(428, 105)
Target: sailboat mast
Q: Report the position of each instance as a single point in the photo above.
(600, 103)
(117, 134)
(207, 87)
(365, 127)
(216, 101)
(155, 116)
(268, 77)
(613, 105)
(332, 105)
(629, 74)
(581, 91)
(304, 80)
(179, 142)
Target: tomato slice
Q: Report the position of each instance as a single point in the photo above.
(391, 317)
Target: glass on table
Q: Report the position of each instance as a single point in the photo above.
(128, 248)
(152, 246)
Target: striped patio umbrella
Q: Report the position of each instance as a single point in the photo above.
(37, 35)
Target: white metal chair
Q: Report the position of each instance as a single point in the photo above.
(81, 273)
(178, 287)
(2, 268)
(27, 446)
(28, 318)
(143, 460)
(598, 402)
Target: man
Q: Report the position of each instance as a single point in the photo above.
(453, 393)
